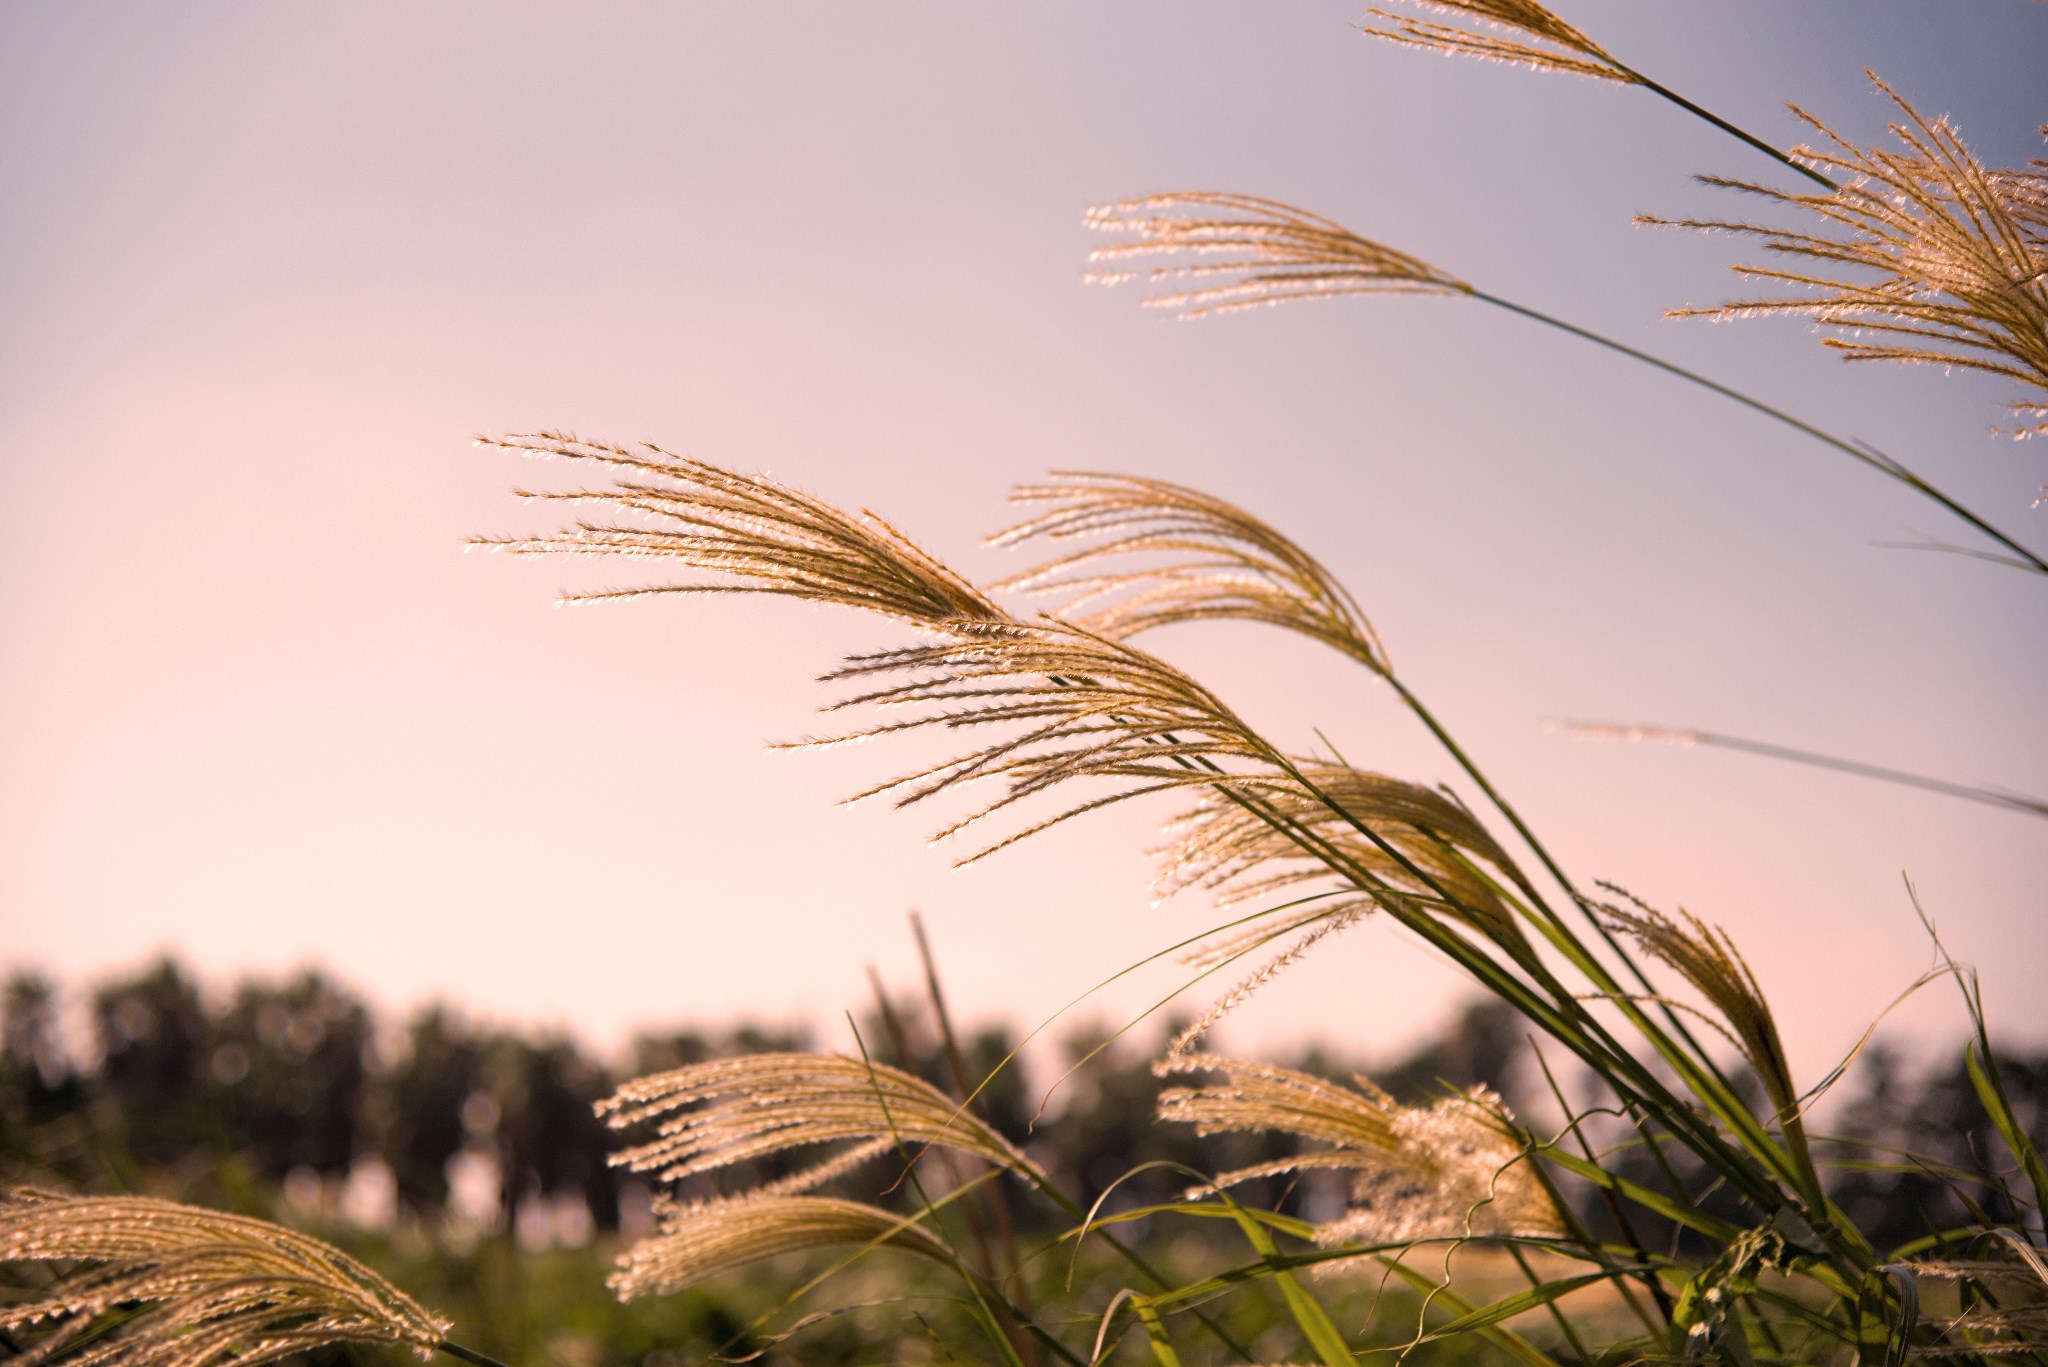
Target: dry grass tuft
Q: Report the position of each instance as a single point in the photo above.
(1925, 256)
(1085, 708)
(1706, 958)
(1197, 558)
(1272, 253)
(700, 1240)
(712, 1115)
(1485, 29)
(751, 534)
(213, 1290)
(1241, 856)
(1452, 1170)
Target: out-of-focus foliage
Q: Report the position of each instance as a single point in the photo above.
(465, 1162)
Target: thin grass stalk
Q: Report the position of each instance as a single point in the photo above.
(1686, 735)
(1885, 465)
(1564, 1325)
(1776, 154)
(1615, 1210)
(899, 1037)
(469, 1355)
(1737, 1115)
(1591, 966)
(998, 1331)
(956, 1063)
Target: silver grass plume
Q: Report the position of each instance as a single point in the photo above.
(1154, 553)
(711, 1115)
(1239, 857)
(702, 1239)
(1242, 252)
(1924, 256)
(1243, 857)
(1076, 706)
(2012, 1318)
(215, 1290)
(1073, 703)
(1455, 1169)
(748, 532)
(1486, 29)
(1707, 958)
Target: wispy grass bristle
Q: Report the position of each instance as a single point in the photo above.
(1244, 252)
(201, 1288)
(1162, 553)
(700, 1240)
(1078, 706)
(746, 533)
(1486, 29)
(1450, 1170)
(1924, 256)
(712, 1115)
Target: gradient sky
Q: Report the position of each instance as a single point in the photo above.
(266, 268)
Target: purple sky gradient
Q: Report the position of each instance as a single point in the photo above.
(267, 268)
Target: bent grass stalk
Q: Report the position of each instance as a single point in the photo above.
(1558, 46)
(1278, 253)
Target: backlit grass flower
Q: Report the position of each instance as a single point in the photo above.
(1924, 255)
(196, 1287)
(1140, 553)
(1240, 251)
(699, 1240)
(711, 1115)
(739, 533)
(1453, 1169)
(1521, 32)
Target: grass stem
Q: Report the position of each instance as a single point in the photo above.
(1863, 455)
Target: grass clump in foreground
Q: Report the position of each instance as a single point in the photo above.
(1472, 1224)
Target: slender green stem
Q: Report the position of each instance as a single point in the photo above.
(1877, 461)
(1711, 117)
(1592, 967)
(1558, 1316)
(469, 1355)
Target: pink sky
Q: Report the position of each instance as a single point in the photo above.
(267, 269)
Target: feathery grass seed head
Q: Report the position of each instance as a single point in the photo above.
(711, 1115)
(748, 533)
(1486, 29)
(702, 1239)
(1240, 856)
(1706, 957)
(217, 1290)
(1923, 256)
(1152, 554)
(1083, 707)
(1453, 1169)
(1242, 251)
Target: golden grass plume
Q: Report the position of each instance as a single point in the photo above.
(215, 1290)
(1147, 553)
(1923, 256)
(747, 533)
(711, 1115)
(1454, 1169)
(1083, 707)
(698, 1240)
(1487, 29)
(1240, 251)
(1240, 856)
(1707, 958)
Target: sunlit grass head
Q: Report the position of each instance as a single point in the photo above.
(151, 1283)
(1924, 255)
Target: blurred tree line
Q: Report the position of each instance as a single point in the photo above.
(292, 1086)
